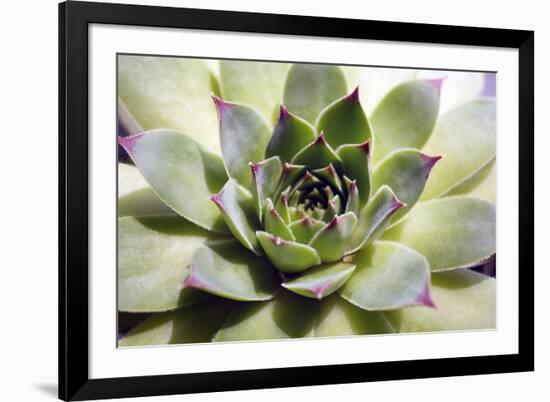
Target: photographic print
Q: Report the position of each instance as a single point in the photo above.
(269, 200)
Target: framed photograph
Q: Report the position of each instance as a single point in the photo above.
(258, 200)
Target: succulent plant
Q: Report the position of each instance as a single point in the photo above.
(315, 219)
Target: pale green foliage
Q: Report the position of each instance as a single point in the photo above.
(294, 232)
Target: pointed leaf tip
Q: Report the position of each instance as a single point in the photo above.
(425, 298)
(430, 161)
(283, 112)
(437, 83)
(129, 142)
(354, 95)
(320, 140)
(221, 105)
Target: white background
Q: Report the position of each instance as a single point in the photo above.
(28, 166)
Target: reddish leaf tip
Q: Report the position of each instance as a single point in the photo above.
(217, 199)
(283, 112)
(320, 140)
(254, 167)
(129, 142)
(277, 240)
(192, 281)
(365, 147)
(396, 204)
(319, 291)
(353, 187)
(354, 95)
(430, 161)
(437, 83)
(425, 298)
(221, 105)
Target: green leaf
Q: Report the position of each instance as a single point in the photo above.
(288, 256)
(374, 218)
(406, 172)
(170, 93)
(332, 241)
(321, 281)
(466, 137)
(318, 154)
(451, 232)
(465, 300)
(228, 270)
(266, 176)
(237, 207)
(274, 224)
(356, 161)
(286, 316)
(353, 202)
(254, 83)
(135, 196)
(290, 135)
(344, 121)
(306, 228)
(243, 137)
(481, 183)
(487, 188)
(388, 276)
(291, 177)
(172, 164)
(311, 87)
(337, 317)
(193, 324)
(154, 258)
(330, 176)
(405, 117)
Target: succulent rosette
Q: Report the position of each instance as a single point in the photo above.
(315, 218)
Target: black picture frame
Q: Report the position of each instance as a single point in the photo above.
(74, 19)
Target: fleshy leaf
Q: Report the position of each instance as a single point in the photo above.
(243, 137)
(154, 258)
(406, 172)
(405, 117)
(317, 154)
(172, 164)
(332, 241)
(483, 177)
(331, 177)
(170, 93)
(321, 281)
(282, 207)
(375, 217)
(353, 202)
(465, 300)
(466, 137)
(236, 205)
(291, 176)
(274, 224)
(357, 166)
(344, 121)
(228, 270)
(306, 228)
(290, 135)
(288, 256)
(266, 176)
(254, 83)
(337, 317)
(135, 196)
(451, 232)
(388, 276)
(186, 325)
(286, 316)
(311, 87)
